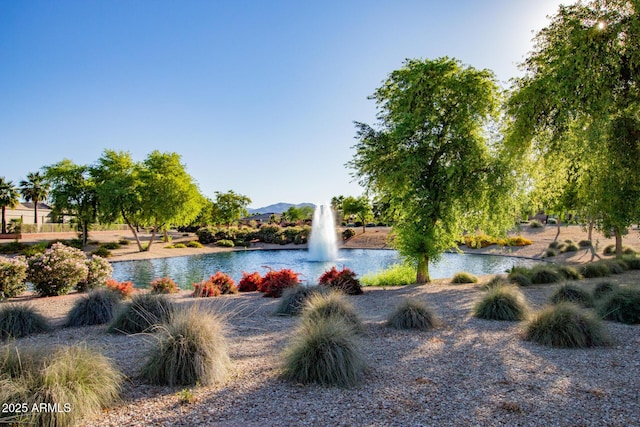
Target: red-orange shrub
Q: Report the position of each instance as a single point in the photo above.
(275, 282)
(218, 284)
(164, 285)
(344, 280)
(124, 289)
(250, 282)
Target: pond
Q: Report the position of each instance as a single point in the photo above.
(187, 270)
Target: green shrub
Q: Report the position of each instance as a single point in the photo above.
(139, 315)
(110, 245)
(396, 275)
(270, 233)
(550, 253)
(585, 243)
(20, 320)
(163, 285)
(464, 277)
(348, 233)
(603, 289)
(595, 269)
(206, 235)
(542, 274)
(568, 326)
(124, 242)
(102, 252)
(622, 305)
(191, 349)
(194, 244)
(555, 244)
(225, 243)
(294, 299)
(616, 266)
(57, 270)
(535, 224)
(502, 303)
(344, 280)
(609, 250)
(568, 272)
(496, 281)
(99, 270)
(96, 308)
(412, 314)
(12, 247)
(572, 293)
(36, 248)
(519, 279)
(626, 250)
(178, 246)
(632, 261)
(331, 304)
(13, 274)
(80, 380)
(325, 352)
(571, 247)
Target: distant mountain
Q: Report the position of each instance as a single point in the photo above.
(277, 208)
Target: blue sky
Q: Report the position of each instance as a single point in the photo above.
(258, 97)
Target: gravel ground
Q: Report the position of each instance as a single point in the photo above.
(467, 372)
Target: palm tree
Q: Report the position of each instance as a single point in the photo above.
(9, 197)
(35, 189)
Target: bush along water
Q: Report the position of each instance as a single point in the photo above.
(344, 280)
(58, 270)
(502, 303)
(218, 284)
(99, 271)
(275, 282)
(163, 285)
(250, 282)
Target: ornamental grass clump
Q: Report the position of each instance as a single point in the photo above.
(294, 299)
(331, 304)
(545, 274)
(326, 352)
(413, 314)
(497, 281)
(20, 320)
(622, 305)
(96, 308)
(191, 349)
(502, 303)
(568, 272)
(58, 270)
(603, 289)
(595, 269)
(464, 277)
(72, 382)
(572, 293)
(13, 276)
(99, 271)
(567, 325)
(632, 261)
(142, 313)
(344, 280)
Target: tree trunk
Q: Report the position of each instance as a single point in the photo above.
(84, 232)
(590, 231)
(422, 275)
(133, 229)
(618, 241)
(35, 213)
(4, 223)
(153, 236)
(165, 236)
(558, 232)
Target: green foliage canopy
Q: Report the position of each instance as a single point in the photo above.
(35, 188)
(9, 198)
(229, 207)
(433, 158)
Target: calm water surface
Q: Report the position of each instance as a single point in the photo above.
(189, 269)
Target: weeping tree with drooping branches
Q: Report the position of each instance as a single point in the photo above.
(434, 157)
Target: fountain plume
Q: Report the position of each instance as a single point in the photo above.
(323, 243)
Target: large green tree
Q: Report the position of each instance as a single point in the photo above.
(73, 193)
(169, 194)
(433, 157)
(578, 103)
(229, 207)
(119, 190)
(36, 189)
(9, 198)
